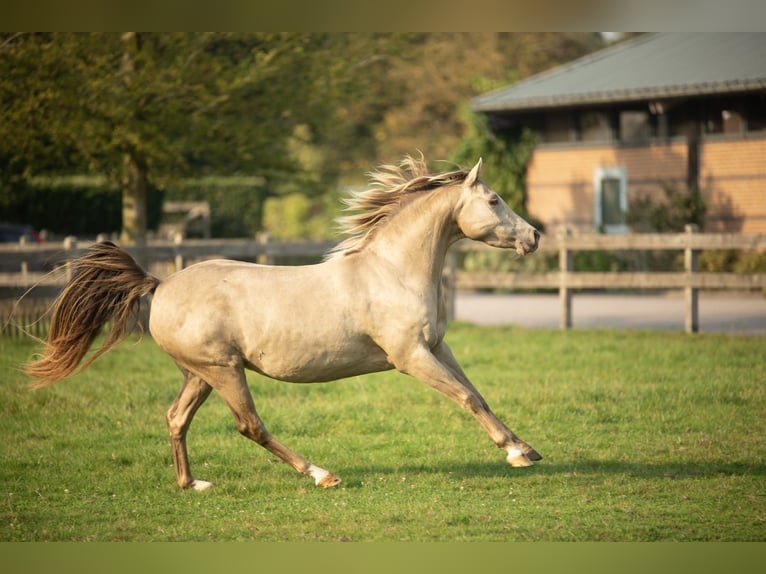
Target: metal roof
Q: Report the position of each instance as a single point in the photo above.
(650, 66)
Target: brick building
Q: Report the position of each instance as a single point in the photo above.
(685, 110)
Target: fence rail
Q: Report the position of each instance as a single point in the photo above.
(567, 279)
(24, 256)
(22, 266)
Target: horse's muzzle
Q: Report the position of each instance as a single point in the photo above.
(528, 241)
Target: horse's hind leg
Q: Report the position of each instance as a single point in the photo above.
(231, 384)
(193, 393)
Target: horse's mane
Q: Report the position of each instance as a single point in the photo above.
(390, 186)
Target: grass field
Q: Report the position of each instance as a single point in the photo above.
(646, 436)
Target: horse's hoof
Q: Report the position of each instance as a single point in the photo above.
(532, 454)
(329, 481)
(201, 485)
(322, 477)
(517, 458)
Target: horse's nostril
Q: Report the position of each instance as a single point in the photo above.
(536, 236)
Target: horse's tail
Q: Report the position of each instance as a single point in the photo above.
(106, 284)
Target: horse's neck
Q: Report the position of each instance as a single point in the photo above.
(415, 241)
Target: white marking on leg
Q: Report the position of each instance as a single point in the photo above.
(317, 473)
(517, 457)
(201, 485)
(513, 452)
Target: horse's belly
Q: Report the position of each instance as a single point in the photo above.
(318, 363)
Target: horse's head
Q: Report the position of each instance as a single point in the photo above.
(482, 215)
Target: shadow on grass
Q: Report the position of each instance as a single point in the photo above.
(668, 471)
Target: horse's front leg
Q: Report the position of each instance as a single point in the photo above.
(440, 370)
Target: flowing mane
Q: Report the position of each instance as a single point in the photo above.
(390, 186)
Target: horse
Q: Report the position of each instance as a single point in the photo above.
(374, 303)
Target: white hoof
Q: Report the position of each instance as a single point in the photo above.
(322, 477)
(201, 485)
(517, 458)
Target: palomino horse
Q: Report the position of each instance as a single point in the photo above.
(374, 304)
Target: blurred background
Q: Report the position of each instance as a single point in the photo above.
(259, 131)
(152, 137)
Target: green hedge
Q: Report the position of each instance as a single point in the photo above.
(65, 208)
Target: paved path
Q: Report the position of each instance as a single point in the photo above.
(740, 314)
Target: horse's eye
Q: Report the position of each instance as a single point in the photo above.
(494, 200)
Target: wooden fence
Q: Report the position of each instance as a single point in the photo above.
(566, 280)
(22, 266)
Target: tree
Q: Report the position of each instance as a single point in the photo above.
(137, 107)
(667, 212)
(438, 73)
(507, 154)
(298, 111)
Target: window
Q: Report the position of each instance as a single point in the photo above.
(723, 121)
(558, 128)
(594, 127)
(635, 126)
(611, 199)
(756, 113)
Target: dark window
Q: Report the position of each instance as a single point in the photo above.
(635, 126)
(611, 209)
(594, 127)
(723, 117)
(611, 198)
(755, 107)
(558, 128)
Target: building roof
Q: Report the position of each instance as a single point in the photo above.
(650, 66)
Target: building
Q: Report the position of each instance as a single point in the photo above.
(684, 110)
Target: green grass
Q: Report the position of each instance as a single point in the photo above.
(646, 436)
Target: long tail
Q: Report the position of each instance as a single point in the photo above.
(106, 284)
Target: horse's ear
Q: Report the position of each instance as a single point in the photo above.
(473, 175)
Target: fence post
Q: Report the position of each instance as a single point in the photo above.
(565, 267)
(178, 239)
(24, 264)
(264, 238)
(70, 243)
(691, 293)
